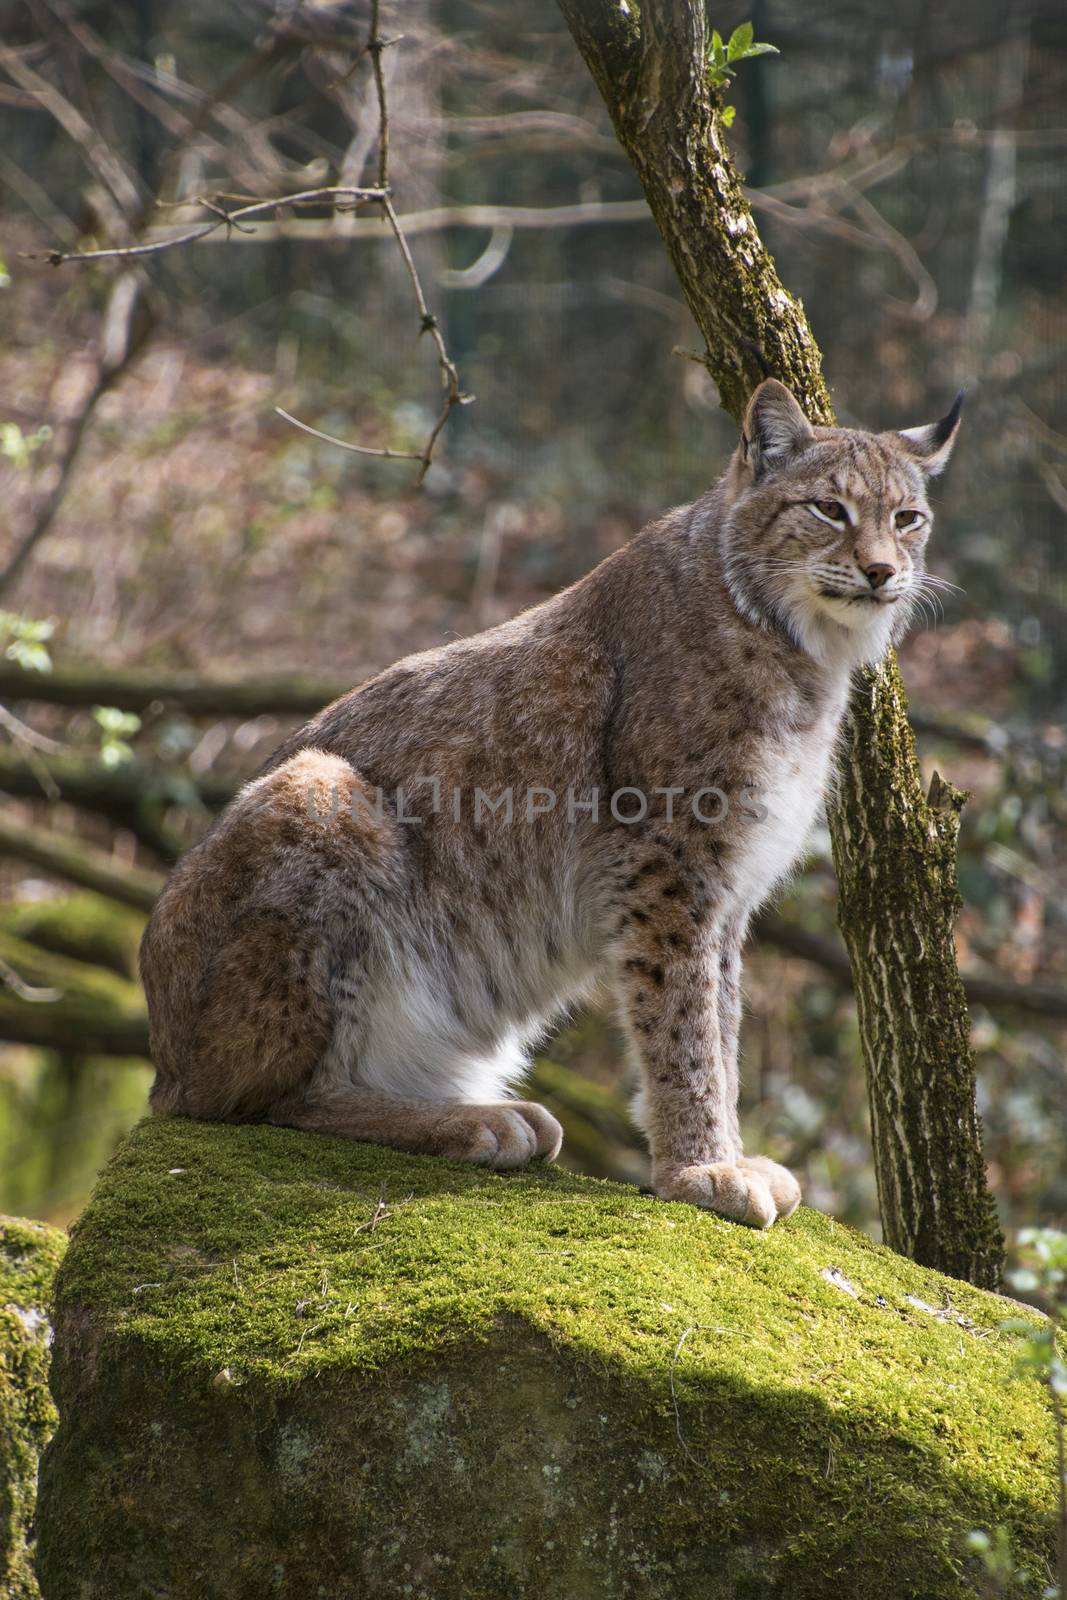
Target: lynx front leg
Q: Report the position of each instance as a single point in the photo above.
(680, 998)
(785, 1191)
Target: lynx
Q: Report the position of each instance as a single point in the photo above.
(606, 787)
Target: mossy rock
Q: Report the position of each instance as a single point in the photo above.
(290, 1366)
(30, 1252)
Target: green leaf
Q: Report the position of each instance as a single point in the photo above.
(760, 50)
(30, 657)
(27, 636)
(740, 40)
(727, 115)
(112, 720)
(115, 754)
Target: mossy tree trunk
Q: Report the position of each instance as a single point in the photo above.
(893, 850)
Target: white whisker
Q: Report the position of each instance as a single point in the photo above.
(930, 580)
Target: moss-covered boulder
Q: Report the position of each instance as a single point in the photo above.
(290, 1366)
(30, 1252)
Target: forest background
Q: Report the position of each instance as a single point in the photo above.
(906, 170)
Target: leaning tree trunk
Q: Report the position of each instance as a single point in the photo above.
(894, 850)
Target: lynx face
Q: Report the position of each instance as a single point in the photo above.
(827, 531)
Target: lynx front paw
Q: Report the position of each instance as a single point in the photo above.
(785, 1190)
(752, 1190)
(502, 1136)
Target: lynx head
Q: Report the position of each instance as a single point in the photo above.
(826, 528)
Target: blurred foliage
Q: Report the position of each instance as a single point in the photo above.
(906, 168)
(26, 641)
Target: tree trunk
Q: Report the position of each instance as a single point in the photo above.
(894, 852)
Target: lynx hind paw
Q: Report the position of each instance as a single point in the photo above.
(753, 1190)
(501, 1136)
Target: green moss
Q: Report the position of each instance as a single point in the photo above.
(502, 1383)
(29, 1255)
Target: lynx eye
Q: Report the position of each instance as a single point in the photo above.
(907, 521)
(829, 510)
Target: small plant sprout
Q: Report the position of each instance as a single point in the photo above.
(722, 59)
(116, 727)
(23, 641)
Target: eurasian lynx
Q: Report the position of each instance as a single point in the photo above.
(608, 785)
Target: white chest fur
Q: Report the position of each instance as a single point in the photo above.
(793, 774)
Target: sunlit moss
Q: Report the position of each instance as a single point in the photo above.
(29, 1255)
(476, 1384)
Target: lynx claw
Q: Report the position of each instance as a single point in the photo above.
(752, 1190)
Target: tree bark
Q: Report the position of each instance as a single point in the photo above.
(894, 853)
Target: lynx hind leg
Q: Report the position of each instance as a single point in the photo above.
(509, 1134)
(237, 958)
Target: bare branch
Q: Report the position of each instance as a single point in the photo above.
(427, 321)
(24, 736)
(127, 323)
(435, 219)
(10, 979)
(428, 324)
(223, 219)
(109, 169)
(374, 48)
(343, 444)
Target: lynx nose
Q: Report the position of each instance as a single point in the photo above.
(879, 573)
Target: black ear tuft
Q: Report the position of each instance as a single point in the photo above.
(931, 445)
(944, 429)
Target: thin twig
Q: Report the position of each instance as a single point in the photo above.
(111, 170)
(343, 444)
(44, 778)
(126, 325)
(375, 47)
(379, 1214)
(437, 218)
(25, 735)
(427, 321)
(24, 991)
(223, 219)
(428, 324)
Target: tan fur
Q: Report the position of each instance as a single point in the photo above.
(321, 962)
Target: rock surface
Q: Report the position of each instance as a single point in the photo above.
(291, 1366)
(29, 1255)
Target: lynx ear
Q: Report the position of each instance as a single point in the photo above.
(775, 428)
(931, 446)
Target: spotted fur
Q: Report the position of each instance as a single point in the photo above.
(321, 962)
